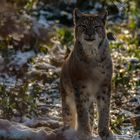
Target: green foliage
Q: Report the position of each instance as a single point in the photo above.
(65, 36)
(19, 101)
(132, 23)
(43, 48)
(20, 4)
(30, 4)
(116, 123)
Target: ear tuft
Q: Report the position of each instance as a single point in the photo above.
(103, 16)
(76, 15)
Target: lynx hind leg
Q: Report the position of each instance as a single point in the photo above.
(103, 105)
(68, 110)
(91, 116)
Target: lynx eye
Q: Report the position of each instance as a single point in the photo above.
(96, 27)
(83, 26)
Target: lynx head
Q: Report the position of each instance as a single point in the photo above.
(89, 28)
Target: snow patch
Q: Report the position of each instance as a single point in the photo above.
(8, 81)
(20, 58)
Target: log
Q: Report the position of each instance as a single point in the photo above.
(17, 131)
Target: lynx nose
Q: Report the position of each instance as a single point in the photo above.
(89, 37)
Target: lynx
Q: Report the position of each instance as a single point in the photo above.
(86, 76)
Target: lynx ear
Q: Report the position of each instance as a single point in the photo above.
(103, 16)
(76, 15)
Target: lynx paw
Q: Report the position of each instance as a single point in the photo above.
(109, 137)
(83, 136)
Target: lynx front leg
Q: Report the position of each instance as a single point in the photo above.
(83, 118)
(91, 116)
(103, 105)
(69, 115)
(68, 110)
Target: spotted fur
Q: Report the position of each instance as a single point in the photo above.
(86, 76)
